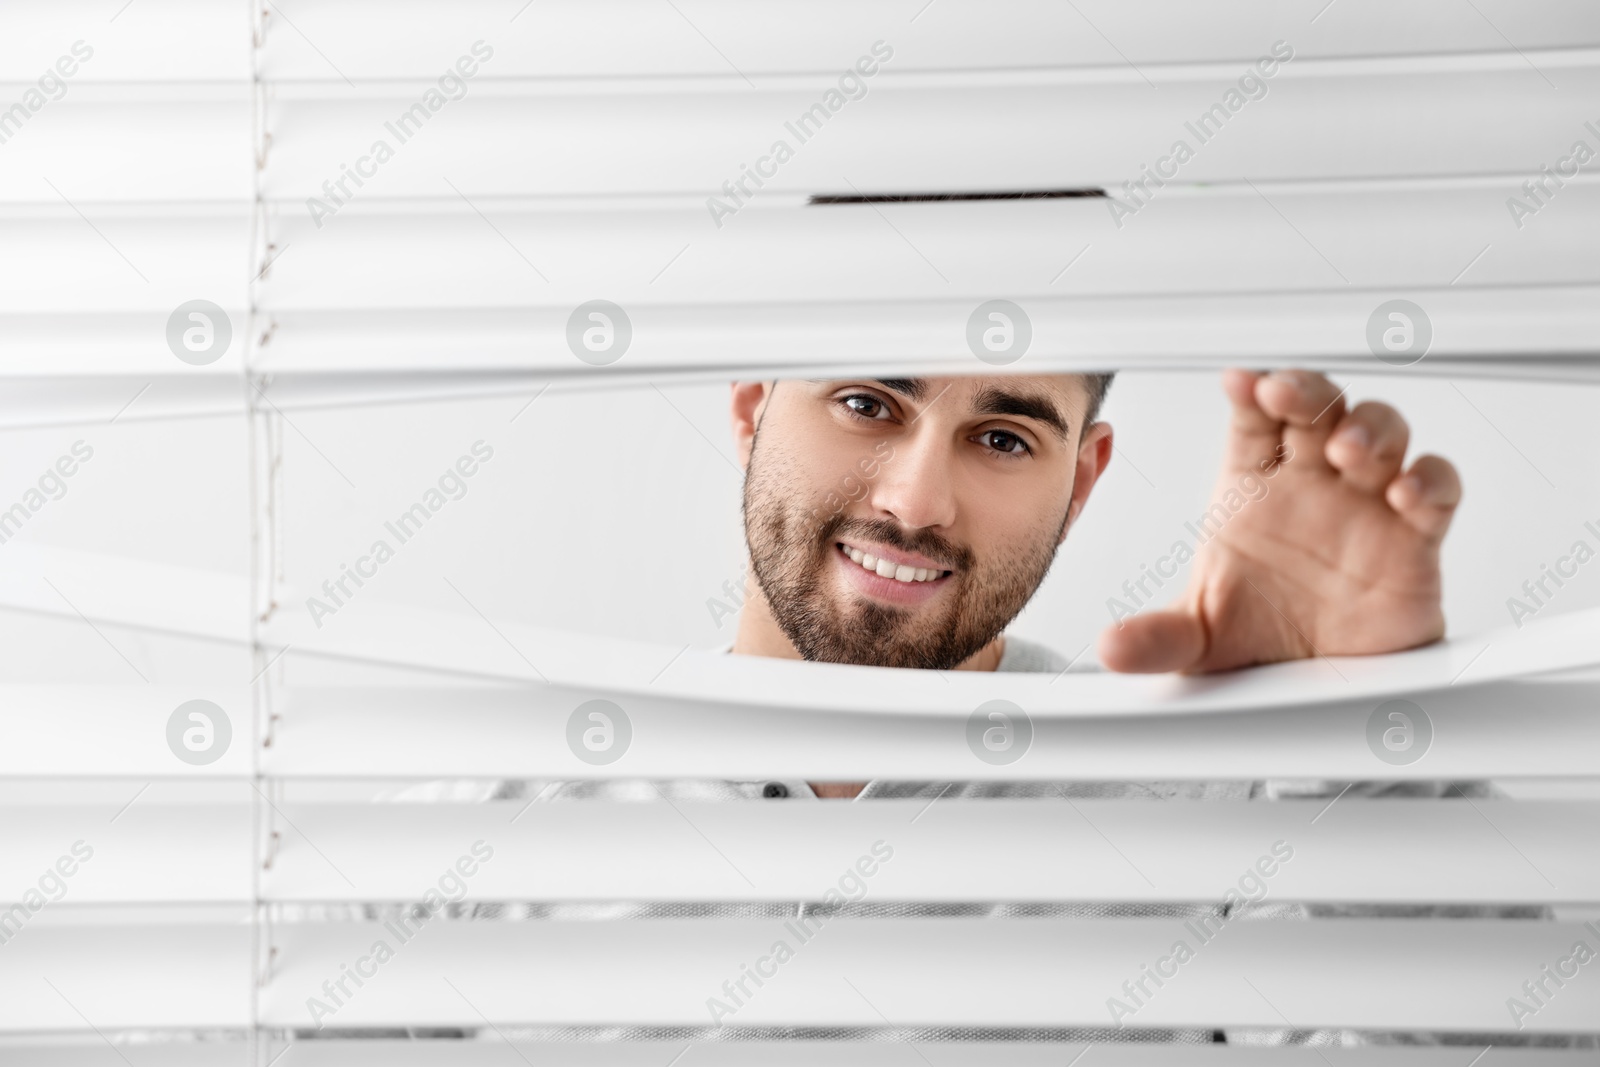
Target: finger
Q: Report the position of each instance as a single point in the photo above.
(1427, 495)
(1369, 446)
(1153, 643)
(1310, 406)
(1253, 435)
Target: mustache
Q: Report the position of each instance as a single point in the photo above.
(924, 542)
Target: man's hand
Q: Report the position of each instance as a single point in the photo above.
(1333, 550)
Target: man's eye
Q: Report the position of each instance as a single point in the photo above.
(867, 407)
(1008, 443)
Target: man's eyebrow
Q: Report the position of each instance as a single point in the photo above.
(1036, 406)
(910, 388)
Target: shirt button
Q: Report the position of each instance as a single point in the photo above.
(774, 790)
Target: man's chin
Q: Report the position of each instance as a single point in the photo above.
(876, 635)
(903, 657)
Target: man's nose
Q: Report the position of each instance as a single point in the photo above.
(916, 485)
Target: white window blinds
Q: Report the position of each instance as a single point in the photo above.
(536, 157)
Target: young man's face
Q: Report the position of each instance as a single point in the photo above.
(955, 491)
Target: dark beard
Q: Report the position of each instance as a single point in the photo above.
(789, 549)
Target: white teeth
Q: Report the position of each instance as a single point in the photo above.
(885, 569)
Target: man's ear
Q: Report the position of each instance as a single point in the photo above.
(747, 402)
(1094, 454)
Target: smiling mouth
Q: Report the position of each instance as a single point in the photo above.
(885, 569)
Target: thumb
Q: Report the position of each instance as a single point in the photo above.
(1153, 643)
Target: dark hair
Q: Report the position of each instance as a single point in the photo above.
(1097, 386)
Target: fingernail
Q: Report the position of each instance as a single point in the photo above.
(1357, 435)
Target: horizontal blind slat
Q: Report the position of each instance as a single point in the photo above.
(638, 38)
(915, 139)
(1356, 973)
(138, 46)
(101, 147)
(493, 1051)
(1402, 850)
(112, 976)
(135, 852)
(1409, 850)
(1484, 732)
(1224, 241)
(1519, 729)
